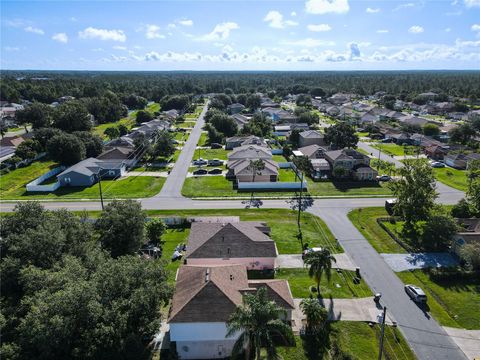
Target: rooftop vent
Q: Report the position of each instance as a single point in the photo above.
(207, 275)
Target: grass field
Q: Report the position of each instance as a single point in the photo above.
(279, 158)
(452, 177)
(452, 302)
(282, 222)
(365, 221)
(131, 187)
(393, 149)
(340, 286)
(209, 154)
(203, 141)
(181, 136)
(172, 238)
(358, 339)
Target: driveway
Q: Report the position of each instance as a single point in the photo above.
(467, 340)
(363, 309)
(402, 262)
(295, 261)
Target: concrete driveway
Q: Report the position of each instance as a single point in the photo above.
(412, 261)
(467, 340)
(363, 309)
(294, 261)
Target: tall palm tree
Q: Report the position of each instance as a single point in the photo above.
(316, 314)
(257, 167)
(319, 262)
(258, 320)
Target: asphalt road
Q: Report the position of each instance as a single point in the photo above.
(174, 183)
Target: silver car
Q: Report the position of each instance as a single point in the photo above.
(416, 293)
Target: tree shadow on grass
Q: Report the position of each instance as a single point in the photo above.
(316, 346)
(345, 186)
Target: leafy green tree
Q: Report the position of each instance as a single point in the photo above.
(341, 135)
(437, 232)
(107, 108)
(309, 117)
(253, 102)
(258, 321)
(303, 164)
(473, 189)
(319, 263)
(260, 125)
(295, 138)
(72, 116)
(224, 124)
(339, 172)
(135, 102)
(178, 102)
(431, 130)
(112, 132)
(317, 91)
(37, 114)
(155, 228)
(316, 314)
(121, 227)
(122, 129)
(164, 146)
(67, 149)
(415, 193)
(43, 135)
(461, 209)
(143, 116)
(470, 253)
(92, 142)
(27, 149)
(214, 136)
(462, 134)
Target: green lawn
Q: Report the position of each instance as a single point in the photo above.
(340, 286)
(172, 238)
(181, 136)
(358, 339)
(188, 124)
(209, 154)
(203, 141)
(365, 221)
(153, 108)
(130, 187)
(452, 177)
(350, 188)
(282, 222)
(393, 149)
(279, 158)
(454, 302)
(16, 180)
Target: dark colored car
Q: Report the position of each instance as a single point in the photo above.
(215, 171)
(200, 172)
(215, 162)
(215, 146)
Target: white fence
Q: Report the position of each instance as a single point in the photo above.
(35, 184)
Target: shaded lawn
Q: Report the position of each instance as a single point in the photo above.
(358, 339)
(452, 177)
(181, 136)
(340, 286)
(13, 183)
(283, 224)
(130, 187)
(365, 221)
(453, 302)
(172, 238)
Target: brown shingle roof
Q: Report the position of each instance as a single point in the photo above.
(232, 240)
(278, 291)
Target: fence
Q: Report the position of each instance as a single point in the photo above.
(285, 165)
(271, 186)
(277, 151)
(35, 184)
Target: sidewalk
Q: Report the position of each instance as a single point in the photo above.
(294, 261)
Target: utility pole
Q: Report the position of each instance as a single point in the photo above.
(100, 188)
(300, 235)
(382, 333)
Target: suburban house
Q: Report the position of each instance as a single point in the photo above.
(124, 154)
(242, 171)
(311, 151)
(249, 152)
(86, 172)
(235, 108)
(460, 161)
(320, 169)
(241, 120)
(245, 242)
(340, 98)
(435, 152)
(286, 128)
(237, 141)
(204, 299)
(278, 115)
(311, 137)
(123, 141)
(470, 233)
(11, 141)
(355, 162)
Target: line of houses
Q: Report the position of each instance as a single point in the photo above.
(213, 281)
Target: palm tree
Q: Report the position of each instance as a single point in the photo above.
(319, 262)
(316, 314)
(257, 167)
(258, 320)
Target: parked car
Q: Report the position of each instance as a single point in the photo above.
(387, 140)
(215, 162)
(215, 171)
(416, 293)
(384, 178)
(200, 162)
(216, 146)
(200, 172)
(437, 164)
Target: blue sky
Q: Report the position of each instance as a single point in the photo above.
(240, 35)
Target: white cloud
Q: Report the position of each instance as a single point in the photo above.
(186, 22)
(275, 20)
(34, 30)
(309, 43)
(153, 32)
(220, 32)
(404, 6)
(73, 19)
(327, 6)
(475, 27)
(472, 3)
(382, 31)
(372, 10)
(319, 27)
(11, 48)
(448, 29)
(293, 14)
(416, 29)
(102, 34)
(119, 47)
(60, 37)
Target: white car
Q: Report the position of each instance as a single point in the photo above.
(384, 178)
(437, 164)
(416, 293)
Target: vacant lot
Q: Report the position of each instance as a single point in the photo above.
(453, 302)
